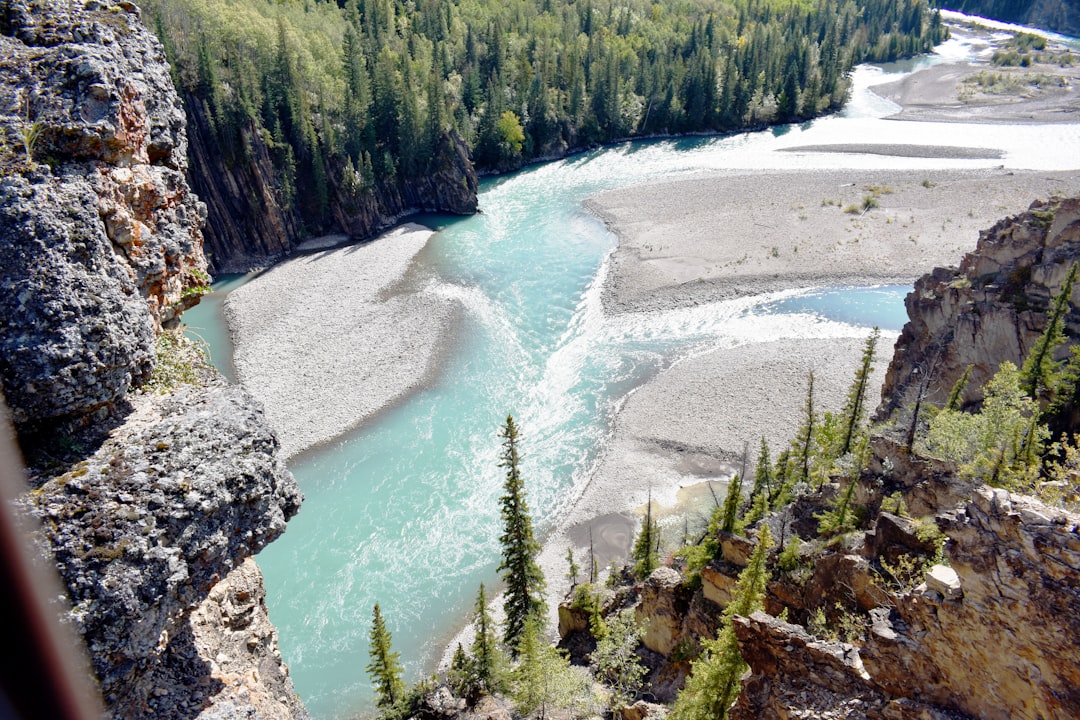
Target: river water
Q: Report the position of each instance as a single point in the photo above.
(404, 512)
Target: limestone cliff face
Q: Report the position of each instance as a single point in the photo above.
(989, 310)
(144, 528)
(101, 235)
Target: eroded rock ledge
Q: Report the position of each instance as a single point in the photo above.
(145, 528)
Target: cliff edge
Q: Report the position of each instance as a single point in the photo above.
(154, 481)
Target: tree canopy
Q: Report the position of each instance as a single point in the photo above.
(357, 93)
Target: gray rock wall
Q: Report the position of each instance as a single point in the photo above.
(100, 233)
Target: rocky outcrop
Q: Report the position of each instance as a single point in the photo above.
(250, 224)
(990, 309)
(100, 252)
(799, 676)
(1062, 16)
(1006, 645)
(101, 236)
(143, 529)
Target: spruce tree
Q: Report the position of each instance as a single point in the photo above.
(732, 501)
(385, 666)
(804, 442)
(856, 399)
(1039, 373)
(714, 677)
(956, 395)
(543, 678)
(572, 568)
(645, 559)
(523, 577)
(486, 658)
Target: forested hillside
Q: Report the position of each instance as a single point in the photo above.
(357, 96)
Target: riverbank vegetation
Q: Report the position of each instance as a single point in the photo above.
(824, 504)
(357, 94)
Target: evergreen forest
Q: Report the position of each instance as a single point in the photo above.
(356, 95)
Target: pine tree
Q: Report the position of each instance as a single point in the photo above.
(486, 659)
(385, 666)
(645, 559)
(714, 677)
(523, 577)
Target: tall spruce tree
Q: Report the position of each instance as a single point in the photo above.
(385, 666)
(524, 579)
(803, 446)
(1040, 371)
(714, 677)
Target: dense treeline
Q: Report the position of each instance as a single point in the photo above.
(358, 93)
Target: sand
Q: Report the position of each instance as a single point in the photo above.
(345, 313)
(716, 237)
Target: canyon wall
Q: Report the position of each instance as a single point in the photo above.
(154, 481)
(249, 223)
(1061, 16)
(988, 310)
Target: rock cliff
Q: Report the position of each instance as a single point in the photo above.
(152, 496)
(1062, 16)
(990, 309)
(249, 223)
(142, 531)
(944, 598)
(101, 234)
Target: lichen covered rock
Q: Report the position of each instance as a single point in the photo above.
(100, 233)
(143, 529)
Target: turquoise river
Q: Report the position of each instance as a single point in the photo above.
(404, 511)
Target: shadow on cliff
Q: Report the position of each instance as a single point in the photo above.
(179, 688)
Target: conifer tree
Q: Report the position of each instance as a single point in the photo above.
(763, 472)
(714, 677)
(459, 676)
(732, 500)
(594, 569)
(543, 678)
(956, 395)
(385, 666)
(615, 660)
(856, 399)
(1039, 372)
(645, 559)
(572, 569)
(523, 577)
(486, 659)
(804, 441)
